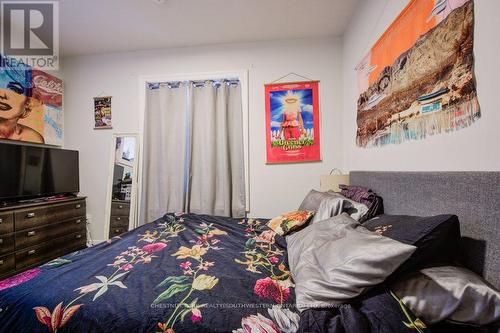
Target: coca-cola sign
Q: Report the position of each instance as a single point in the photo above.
(47, 88)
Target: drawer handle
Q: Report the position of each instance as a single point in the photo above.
(1, 241)
(78, 206)
(30, 215)
(1, 220)
(31, 233)
(118, 218)
(1, 262)
(78, 221)
(31, 252)
(120, 206)
(78, 236)
(117, 231)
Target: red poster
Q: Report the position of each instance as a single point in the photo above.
(47, 88)
(292, 122)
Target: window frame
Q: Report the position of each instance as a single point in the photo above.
(241, 75)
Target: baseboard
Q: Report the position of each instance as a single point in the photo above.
(95, 242)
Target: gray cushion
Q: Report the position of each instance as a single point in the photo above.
(313, 200)
(328, 204)
(336, 204)
(335, 260)
(454, 293)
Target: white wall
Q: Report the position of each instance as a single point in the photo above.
(473, 148)
(273, 188)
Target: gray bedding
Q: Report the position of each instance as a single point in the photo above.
(334, 260)
(335, 204)
(473, 196)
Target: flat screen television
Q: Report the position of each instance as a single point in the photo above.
(30, 172)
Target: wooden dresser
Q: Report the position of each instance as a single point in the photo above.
(32, 234)
(120, 212)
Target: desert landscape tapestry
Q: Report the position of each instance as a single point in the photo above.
(418, 79)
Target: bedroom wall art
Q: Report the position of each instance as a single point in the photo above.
(102, 112)
(418, 79)
(30, 105)
(292, 122)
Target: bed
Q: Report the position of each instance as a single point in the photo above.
(200, 273)
(473, 196)
(183, 272)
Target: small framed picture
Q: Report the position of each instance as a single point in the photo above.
(102, 112)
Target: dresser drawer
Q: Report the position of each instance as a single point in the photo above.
(40, 254)
(30, 237)
(7, 265)
(6, 244)
(6, 223)
(35, 217)
(120, 209)
(117, 231)
(119, 221)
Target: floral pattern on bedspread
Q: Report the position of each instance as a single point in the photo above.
(19, 278)
(264, 257)
(181, 273)
(121, 266)
(193, 278)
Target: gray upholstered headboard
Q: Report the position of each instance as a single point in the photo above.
(473, 196)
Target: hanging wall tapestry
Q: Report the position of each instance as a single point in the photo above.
(30, 105)
(102, 112)
(292, 122)
(418, 79)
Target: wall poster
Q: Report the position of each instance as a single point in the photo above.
(102, 112)
(292, 122)
(418, 79)
(30, 104)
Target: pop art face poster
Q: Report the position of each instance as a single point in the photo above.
(30, 105)
(292, 122)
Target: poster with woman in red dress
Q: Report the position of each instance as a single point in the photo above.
(292, 122)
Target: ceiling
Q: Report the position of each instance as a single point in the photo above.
(104, 26)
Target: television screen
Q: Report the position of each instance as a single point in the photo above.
(27, 171)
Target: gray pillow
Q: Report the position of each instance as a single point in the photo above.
(335, 204)
(313, 200)
(335, 260)
(328, 204)
(450, 293)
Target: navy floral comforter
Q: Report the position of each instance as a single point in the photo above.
(181, 273)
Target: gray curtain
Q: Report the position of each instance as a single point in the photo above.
(164, 159)
(217, 175)
(194, 156)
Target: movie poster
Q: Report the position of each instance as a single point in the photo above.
(30, 105)
(418, 79)
(292, 122)
(102, 112)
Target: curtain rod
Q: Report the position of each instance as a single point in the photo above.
(196, 83)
